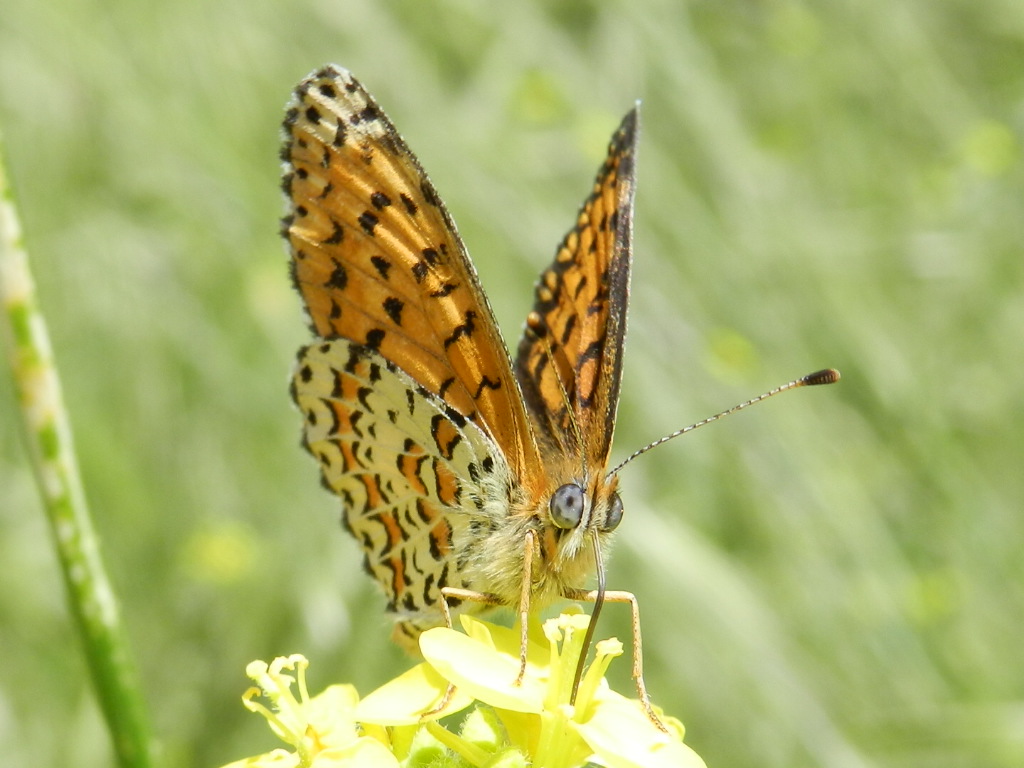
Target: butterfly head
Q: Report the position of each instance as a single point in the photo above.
(577, 510)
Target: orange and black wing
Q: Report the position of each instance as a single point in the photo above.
(569, 362)
(378, 261)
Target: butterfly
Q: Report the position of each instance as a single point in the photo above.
(467, 477)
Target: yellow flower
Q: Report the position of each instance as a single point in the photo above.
(529, 723)
(538, 717)
(321, 730)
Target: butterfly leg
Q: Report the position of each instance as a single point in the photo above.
(638, 653)
(529, 547)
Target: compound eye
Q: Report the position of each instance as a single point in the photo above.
(611, 522)
(567, 506)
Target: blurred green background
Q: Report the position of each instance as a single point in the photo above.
(833, 579)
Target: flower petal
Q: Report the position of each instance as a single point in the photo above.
(331, 715)
(278, 758)
(364, 753)
(622, 735)
(481, 672)
(406, 699)
(508, 640)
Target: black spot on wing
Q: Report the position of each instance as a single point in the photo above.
(338, 278)
(382, 265)
(393, 307)
(466, 329)
(336, 236)
(368, 221)
(486, 383)
(374, 338)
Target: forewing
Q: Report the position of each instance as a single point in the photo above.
(569, 362)
(412, 473)
(378, 261)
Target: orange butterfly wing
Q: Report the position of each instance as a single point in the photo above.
(378, 261)
(569, 362)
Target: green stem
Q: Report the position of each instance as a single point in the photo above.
(48, 437)
(471, 753)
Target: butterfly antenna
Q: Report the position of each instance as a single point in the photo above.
(592, 626)
(825, 376)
